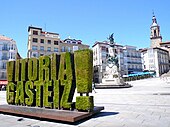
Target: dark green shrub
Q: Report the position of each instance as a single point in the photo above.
(10, 70)
(47, 94)
(24, 72)
(84, 103)
(83, 60)
(33, 69)
(38, 85)
(10, 95)
(19, 98)
(17, 70)
(29, 87)
(66, 80)
(44, 68)
(56, 97)
(54, 66)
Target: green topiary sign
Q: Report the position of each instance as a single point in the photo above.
(50, 81)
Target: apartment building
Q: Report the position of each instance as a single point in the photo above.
(132, 60)
(8, 52)
(156, 60)
(45, 43)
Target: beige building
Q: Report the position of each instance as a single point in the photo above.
(8, 52)
(156, 58)
(129, 59)
(44, 43)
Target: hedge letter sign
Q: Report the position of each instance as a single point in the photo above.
(50, 81)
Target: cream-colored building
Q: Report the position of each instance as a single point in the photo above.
(156, 60)
(8, 52)
(129, 59)
(45, 43)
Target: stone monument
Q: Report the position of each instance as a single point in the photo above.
(111, 77)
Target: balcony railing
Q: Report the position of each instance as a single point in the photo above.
(4, 58)
(5, 49)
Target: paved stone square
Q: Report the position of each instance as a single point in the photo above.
(146, 104)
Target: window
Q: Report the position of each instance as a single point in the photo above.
(49, 49)
(42, 40)
(154, 33)
(4, 65)
(3, 75)
(55, 49)
(63, 49)
(35, 40)
(75, 48)
(49, 41)
(5, 47)
(4, 56)
(69, 49)
(55, 42)
(34, 47)
(34, 55)
(41, 48)
(35, 32)
(107, 50)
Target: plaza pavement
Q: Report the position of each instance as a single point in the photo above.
(146, 104)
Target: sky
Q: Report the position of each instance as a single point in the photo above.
(87, 20)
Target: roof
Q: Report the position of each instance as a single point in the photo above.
(31, 27)
(38, 28)
(2, 37)
(71, 39)
(162, 43)
(143, 50)
(105, 43)
(52, 33)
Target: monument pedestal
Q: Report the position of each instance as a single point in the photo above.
(112, 83)
(112, 79)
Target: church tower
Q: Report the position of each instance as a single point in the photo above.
(155, 36)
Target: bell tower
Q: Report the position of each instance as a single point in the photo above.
(155, 36)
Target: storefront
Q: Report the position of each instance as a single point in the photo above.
(3, 84)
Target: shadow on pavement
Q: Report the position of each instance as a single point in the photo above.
(102, 114)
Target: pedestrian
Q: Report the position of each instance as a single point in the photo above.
(93, 87)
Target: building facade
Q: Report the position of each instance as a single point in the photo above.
(132, 60)
(45, 43)
(8, 52)
(155, 60)
(128, 56)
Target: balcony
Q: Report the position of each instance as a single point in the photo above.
(129, 62)
(4, 58)
(5, 49)
(3, 68)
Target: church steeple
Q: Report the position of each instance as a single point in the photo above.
(155, 35)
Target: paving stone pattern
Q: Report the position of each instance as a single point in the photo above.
(146, 104)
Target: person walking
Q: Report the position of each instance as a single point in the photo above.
(93, 87)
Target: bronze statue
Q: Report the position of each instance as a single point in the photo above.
(111, 39)
(112, 60)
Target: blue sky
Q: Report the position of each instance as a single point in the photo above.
(88, 20)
